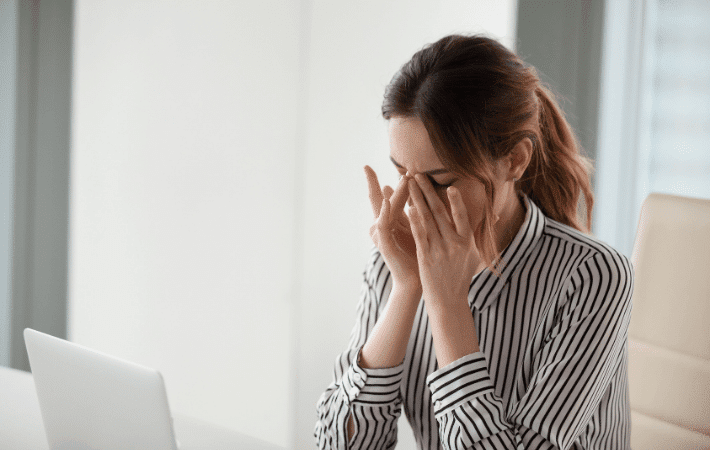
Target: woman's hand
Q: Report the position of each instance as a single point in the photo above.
(391, 232)
(446, 251)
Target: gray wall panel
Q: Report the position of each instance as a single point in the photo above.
(563, 40)
(37, 228)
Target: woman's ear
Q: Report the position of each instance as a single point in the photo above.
(519, 158)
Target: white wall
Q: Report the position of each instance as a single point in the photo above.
(219, 211)
(354, 50)
(182, 175)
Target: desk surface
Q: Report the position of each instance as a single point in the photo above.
(22, 427)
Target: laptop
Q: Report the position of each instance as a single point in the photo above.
(90, 400)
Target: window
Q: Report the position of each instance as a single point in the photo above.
(679, 160)
(654, 120)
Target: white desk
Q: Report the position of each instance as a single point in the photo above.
(21, 422)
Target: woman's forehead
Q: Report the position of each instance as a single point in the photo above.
(410, 145)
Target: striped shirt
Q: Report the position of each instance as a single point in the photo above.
(551, 372)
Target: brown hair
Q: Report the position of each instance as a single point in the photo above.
(477, 100)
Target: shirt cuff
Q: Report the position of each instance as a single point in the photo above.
(372, 386)
(458, 382)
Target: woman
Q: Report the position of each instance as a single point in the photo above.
(487, 311)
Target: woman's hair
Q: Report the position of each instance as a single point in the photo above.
(477, 100)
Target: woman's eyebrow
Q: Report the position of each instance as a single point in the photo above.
(429, 172)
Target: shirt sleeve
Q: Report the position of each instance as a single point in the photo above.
(372, 396)
(570, 373)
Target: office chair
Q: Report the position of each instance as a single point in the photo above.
(669, 335)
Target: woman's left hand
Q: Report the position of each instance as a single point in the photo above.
(446, 251)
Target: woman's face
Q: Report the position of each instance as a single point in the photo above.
(411, 151)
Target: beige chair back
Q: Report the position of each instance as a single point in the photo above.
(669, 335)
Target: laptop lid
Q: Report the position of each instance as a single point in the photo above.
(91, 400)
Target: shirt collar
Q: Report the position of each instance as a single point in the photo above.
(485, 286)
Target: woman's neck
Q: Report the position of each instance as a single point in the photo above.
(511, 219)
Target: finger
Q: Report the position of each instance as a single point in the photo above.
(399, 222)
(384, 226)
(441, 216)
(386, 210)
(375, 191)
(400, 196)
(459, 213)
(387, 192)
(398, 200)
(418, 231)
(382, 218)
(424, 214)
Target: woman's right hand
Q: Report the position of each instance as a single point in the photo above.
(391, 232)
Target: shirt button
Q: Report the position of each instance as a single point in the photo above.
(437, 404)
(357, 377)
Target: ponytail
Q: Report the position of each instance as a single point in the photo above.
(558, 173)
